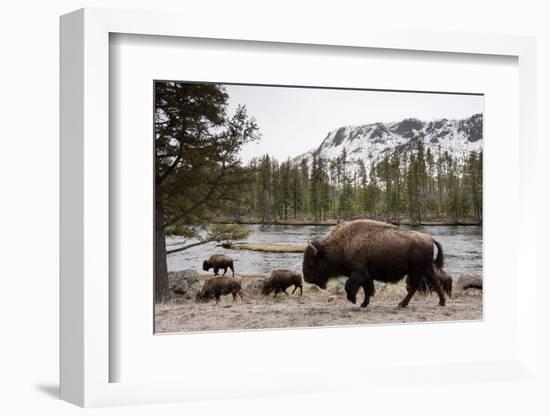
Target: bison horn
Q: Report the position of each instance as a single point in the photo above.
(312, 247)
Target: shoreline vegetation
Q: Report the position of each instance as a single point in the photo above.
(335, 221)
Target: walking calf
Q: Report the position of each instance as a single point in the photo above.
(280, 280)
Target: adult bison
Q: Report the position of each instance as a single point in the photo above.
(280, 280)
(218, 262)
(218, 286)
(367, 250)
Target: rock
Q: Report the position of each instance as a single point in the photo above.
(469, 282)
(331, 299)
(185, 283)
(472, 293)
(314, 288)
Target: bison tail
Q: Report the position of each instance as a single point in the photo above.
(439, 260)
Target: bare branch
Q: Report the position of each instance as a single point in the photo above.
(200, 243)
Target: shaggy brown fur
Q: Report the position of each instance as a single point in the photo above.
(280, 280)
(219, 286)
(445, 281)
(367, 250)
(217, 262)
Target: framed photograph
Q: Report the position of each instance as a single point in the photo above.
(256, 193)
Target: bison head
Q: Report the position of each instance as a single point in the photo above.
(203, 295)
(316, 266)
(199, 297)
(205, 265)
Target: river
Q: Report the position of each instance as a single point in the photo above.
(462, 246)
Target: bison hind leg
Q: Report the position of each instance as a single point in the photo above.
(413, 283)
(433, 283)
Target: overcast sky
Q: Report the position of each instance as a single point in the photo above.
(295, 120)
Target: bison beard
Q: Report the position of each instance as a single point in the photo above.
(366, 251)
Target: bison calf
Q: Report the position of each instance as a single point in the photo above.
(217, 262)
(427, 287)
(219, 286)
(280, 280)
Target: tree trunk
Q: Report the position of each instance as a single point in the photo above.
(161, 266)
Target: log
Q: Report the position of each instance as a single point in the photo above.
(267, 248)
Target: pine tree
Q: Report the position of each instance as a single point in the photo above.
(196, 162)
(314, 187)
(304, 176)
(346, 195)
(265, 190)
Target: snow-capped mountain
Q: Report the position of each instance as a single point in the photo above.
(372, 142)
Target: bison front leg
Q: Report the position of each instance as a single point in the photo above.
(215, 271)
(352, 287)
(224, 271)
(368, 288)
(357, 279)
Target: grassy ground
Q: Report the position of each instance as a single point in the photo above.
(315, 308)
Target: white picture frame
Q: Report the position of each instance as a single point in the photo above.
(85, 164)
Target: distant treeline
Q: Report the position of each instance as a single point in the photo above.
(413, 186)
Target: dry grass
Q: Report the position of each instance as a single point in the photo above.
(315, 308)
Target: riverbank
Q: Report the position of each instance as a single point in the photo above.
(315, 308)
(332, 222)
